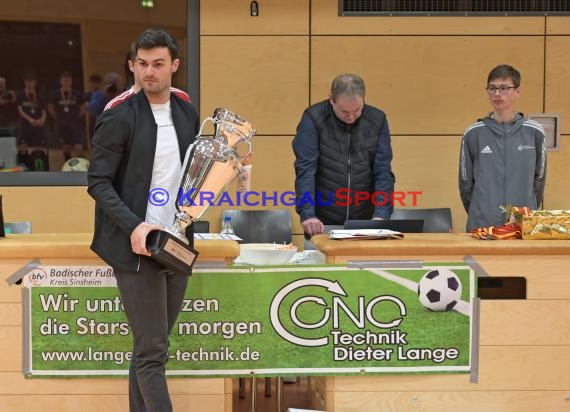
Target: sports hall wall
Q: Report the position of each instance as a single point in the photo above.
(427, 73)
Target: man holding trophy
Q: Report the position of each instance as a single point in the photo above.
(147, 238)
(137, 146)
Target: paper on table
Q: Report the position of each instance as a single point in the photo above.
(365, 234)
(215, 236)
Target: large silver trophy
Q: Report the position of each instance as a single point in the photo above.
(211, 164)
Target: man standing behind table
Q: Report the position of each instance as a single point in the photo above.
(503, 156)
(139, 145)
(342, 146)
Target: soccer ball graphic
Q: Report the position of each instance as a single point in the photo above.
(439, 289)
(75, 164)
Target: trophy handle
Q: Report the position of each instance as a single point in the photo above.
(249, 147)
(211, 119)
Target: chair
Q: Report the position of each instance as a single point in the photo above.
(201, 226)
(261, 226)
(436, 220)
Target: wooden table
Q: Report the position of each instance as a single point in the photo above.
(76, 245)
(524, 344)
(84, 394)
(426, 245)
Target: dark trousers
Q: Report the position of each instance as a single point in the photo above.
(152, 299)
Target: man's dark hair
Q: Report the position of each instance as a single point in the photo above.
(151, 38)
(95, 78)
(504, 71)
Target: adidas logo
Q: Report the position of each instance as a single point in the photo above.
(486, 149)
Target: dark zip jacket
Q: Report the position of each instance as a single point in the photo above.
(120, 172)
(334, 160)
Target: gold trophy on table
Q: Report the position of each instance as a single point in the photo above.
(211, 164)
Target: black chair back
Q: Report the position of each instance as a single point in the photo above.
(201, 226)
(261, 226)
(436, 220)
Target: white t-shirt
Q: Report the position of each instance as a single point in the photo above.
(166, 169)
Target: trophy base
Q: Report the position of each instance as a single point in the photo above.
(171, 252)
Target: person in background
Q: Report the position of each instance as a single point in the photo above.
(67, 108)
(32, 111)
(139, 145)
(8, 106)
(95, 84)
(502, 160)
(113, 85)
(342, 143)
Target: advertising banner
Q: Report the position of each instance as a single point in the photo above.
(297, 320)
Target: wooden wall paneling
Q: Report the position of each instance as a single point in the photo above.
(429, 164)
(557, 91)
(445, 401)
(558, 78)
(15, 10)
(187, 403)
(501, 368)
(111, 36)
(50, 209)
(428, 85)
(272, 164)
(10, 349)
(558, 25)
(105, 36)
(262, 78)
(272, 171)
(545, 278)
(96, 403)
(227, 17)
(106, 45)
(164, 13)
(523, 368)
(10, 314)
(10, 294)
(15, 383)
(557, 181)
(508, 322)
(56, 403)
(167, 13)
(61, 9)
(325, 20)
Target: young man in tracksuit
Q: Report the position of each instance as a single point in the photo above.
(503, 156)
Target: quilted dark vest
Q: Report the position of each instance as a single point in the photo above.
(345, 162)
